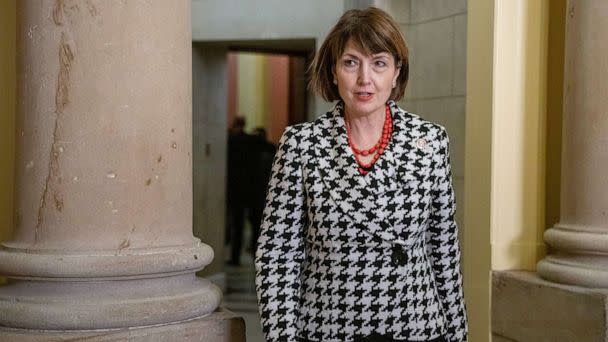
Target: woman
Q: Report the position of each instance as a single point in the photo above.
(358, 240)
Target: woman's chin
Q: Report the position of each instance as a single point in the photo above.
(367, 106)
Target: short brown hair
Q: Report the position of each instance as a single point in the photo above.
(374, 31)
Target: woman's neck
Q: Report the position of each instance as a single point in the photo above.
(365, 129)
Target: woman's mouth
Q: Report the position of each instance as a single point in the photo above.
(363, 96)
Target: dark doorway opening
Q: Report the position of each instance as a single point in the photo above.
(281, 99)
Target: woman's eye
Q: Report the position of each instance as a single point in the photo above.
(350, 63)
(380, 63)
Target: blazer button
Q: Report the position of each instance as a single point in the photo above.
(399, 256)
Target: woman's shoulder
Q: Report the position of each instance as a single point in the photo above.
(297, 131)
(296, 135)
(423, 126)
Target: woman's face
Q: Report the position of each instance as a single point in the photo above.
(365, 81)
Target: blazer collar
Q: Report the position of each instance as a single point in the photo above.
(337, 160)
(348, 188)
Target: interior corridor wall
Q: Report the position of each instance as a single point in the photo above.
(251, 99)
(236, 20)
(7, 114)
(277, 88)
(436, 33)
(261, 92)
(209, 136)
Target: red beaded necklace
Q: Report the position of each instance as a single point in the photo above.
(377, 149)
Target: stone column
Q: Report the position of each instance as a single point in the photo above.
(579, 241)
(103, 208)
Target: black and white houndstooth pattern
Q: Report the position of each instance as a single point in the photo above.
(343, 255)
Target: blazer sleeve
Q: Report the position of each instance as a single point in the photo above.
(443, 246)
(280, 250)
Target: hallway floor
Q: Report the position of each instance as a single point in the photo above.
(240, 296)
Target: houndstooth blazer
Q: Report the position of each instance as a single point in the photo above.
(342, 255)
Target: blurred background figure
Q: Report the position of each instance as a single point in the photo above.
(239, 185)
(263, 155)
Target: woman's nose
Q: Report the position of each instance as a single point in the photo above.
(364, 74)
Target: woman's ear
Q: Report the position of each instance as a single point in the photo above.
(397, 72)
(333, 73)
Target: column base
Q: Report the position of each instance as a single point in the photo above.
(29, 262)
(580, 256)
(582, 270)
(81, 305)
(526, 308)
(221, 325)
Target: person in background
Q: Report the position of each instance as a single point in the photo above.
(263, 152)
(358, 239)
(239, 183)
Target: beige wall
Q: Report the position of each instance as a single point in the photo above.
(7, 114)
(251, 89)
(477, 170)
(513, 97)
(518, 133)
(277, 90)
(262, 92)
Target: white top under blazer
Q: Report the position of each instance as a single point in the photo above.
(341, 254)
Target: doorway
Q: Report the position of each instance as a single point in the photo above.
(266, 83)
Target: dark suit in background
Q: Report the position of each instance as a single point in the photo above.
(239, 186)
(263, 155)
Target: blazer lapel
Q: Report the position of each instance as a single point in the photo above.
(402, 145)
(383, 177)
(335, 160)
(362, 198)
